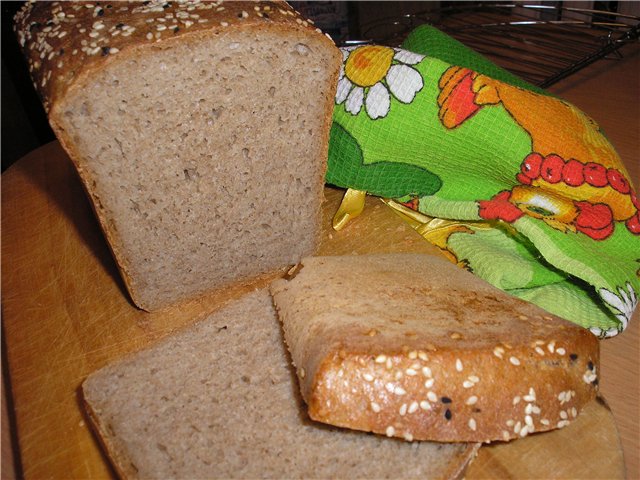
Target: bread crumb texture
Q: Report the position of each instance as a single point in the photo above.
(219, 400)
(199, 129)
(412, 346)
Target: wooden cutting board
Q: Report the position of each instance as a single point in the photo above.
(66, 314)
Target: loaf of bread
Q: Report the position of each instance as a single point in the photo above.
(220, 400)
(199, 129)
(412, 346)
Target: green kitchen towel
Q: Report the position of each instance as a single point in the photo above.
(512, 183)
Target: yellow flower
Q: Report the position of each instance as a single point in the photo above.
(371, 74)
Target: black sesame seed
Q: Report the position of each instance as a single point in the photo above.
(573, 357)
(109, 6)
(590, 365)
(146, 2)
(447, 414)
(176, 29)
(119, 25)
(595, 382)
(265, 15)
(105, 51)
(34, 25)
(61, 52)
(445, 400)
(100, 12)
(49, 23)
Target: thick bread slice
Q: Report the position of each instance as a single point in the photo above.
(219, 400)
(412, 346)
(200, 131)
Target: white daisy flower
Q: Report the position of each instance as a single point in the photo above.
(371, 74)
(624, 304)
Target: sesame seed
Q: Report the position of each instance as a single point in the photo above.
(516, 399)
(224, 24)
(505, 435)
(399, 391)
(563, 415)
(574, 412)
(528, 420)
(456, 336)
(535, 410)
(375, 407)
(403, 410)
(510, 423)
(381, 359)
(389, 364)
(413, 355)
(517, 428)
(244, 14)
(560, 351)
(472, 424)
(458, 365)
(303, 373)
(411, 372)
(528, 409)
(544, 422)
(551, 347)
(390, 431)
(474, 378)
(429, 383)
(562, 423)
(368, 377)
(160, 28)
(539, 351)
(524, 431)
(426, 371)
(498, 351)
(467, 384)
(424, 405)
(413, 407)
(514, 360)
(398, 375)
(432, 396)
(472, 400)
(408, 437)
(390, 387)
(423, 356)
(149, 36)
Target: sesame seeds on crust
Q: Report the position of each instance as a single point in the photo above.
(63, 39)
(444, 397)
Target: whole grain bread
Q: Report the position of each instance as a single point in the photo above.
(413, 346)
(199, 129)
(220, 400)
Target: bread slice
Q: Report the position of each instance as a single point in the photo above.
(219, 400)
(199, 129)
(412, 346)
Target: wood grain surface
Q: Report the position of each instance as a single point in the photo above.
(66, 313)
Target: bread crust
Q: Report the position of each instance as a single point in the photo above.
(50, 33)
(441, 356)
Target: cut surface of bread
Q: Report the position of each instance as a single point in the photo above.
(413, 346)
(202, 142)
(220, 400)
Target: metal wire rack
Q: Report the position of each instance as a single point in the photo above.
(541, 43)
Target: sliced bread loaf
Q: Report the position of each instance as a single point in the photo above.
(199, 129)
(219, 400)
(412, 346)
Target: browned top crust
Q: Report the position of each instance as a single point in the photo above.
(63, 39)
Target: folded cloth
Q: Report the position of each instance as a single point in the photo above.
(512, 183)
